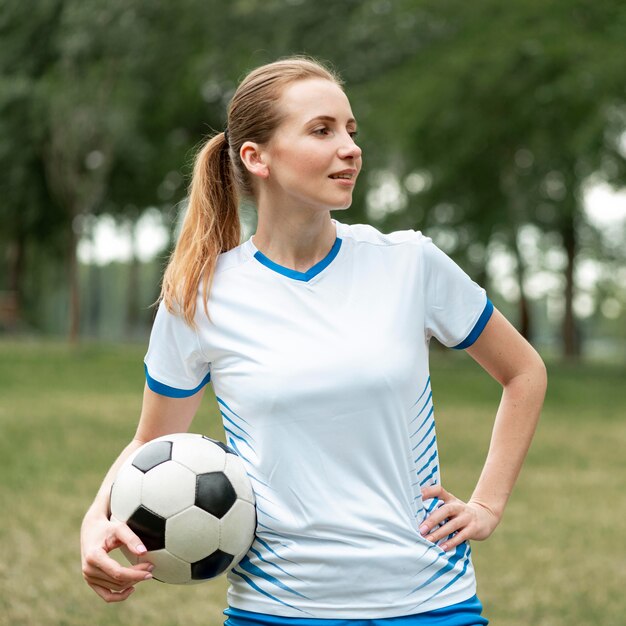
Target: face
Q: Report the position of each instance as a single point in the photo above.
(312, 160)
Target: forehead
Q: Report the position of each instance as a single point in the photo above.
(303, 100)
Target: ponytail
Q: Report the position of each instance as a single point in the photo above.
(211, 226)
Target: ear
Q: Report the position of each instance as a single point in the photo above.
(253, 157)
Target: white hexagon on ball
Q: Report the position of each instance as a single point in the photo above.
(126, 492)
(168, 489)
(199, 455)
(192, 535)
(237, 528)
(167, 567)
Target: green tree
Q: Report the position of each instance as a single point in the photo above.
(510, 112)
(29, 216)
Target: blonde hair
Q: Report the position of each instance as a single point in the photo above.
(211, 225)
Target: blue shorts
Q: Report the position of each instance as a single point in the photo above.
(466, 613)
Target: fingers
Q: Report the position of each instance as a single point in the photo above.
(111, 596)
(446, 519)
(123, 535)
(101, 582)
(447, 528)
(117, 578)
(434, 491)
(110, 580)
(112, 570)
(455, 520)
(453, 542)
(104, 573)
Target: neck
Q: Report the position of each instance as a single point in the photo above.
(294, 240)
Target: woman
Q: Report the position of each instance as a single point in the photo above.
(315, 336)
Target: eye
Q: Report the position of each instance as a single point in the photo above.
(321, 131)
(353, 133)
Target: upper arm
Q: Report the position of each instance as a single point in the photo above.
(163, 415)
(503, 352)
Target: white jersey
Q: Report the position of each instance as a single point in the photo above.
(323, 384)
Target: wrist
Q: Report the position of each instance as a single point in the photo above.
(96, 512)
(495, 509)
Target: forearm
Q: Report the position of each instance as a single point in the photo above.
(513, 362)
(514, 427)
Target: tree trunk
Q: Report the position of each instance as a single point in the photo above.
(570, 335)
(517, 212)
(94, 295)
(524, 325)
(132, 299)
(74, 285)
(15, 278)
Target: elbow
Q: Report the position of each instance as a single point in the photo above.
(536, 378)
(541, 372)
(531, 379)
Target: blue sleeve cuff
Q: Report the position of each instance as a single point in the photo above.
(173, 392)
(478, 327)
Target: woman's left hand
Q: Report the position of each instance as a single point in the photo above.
(471, 520)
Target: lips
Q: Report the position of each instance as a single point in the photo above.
(348, 174)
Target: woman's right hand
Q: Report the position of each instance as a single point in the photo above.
(110, 580)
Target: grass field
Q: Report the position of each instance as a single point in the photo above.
(557, 559)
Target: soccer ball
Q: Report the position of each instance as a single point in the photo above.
(190, 501)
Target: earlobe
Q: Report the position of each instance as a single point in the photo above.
(253, 159)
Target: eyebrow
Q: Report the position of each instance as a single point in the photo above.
(330, 118)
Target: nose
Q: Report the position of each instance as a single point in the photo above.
(349, 149)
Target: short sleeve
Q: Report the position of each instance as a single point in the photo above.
(456, 308)
(174, 364)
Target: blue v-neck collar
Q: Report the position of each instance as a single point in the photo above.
(295, 275)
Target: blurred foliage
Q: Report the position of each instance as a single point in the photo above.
(486, 117)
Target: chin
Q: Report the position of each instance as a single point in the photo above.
(346, 204)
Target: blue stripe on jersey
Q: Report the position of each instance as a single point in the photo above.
(265, 593)
(459, 575)
(220, 401)
(432, 473)
(466, 613)
(423, 392)
(173, 392)
(426, 449)
(234, 446)
(260, 495)
(460, 551)
(245, 432)
(432, 410)
(235, 435)
(423, 408)
(433, 504)
(478, 327)
(278, 567)
(269, 549)
(430, 429)
(433, 456)
(304, 276)
(249, 567)
(264, 512)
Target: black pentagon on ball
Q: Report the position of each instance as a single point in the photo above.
(153, 454)
(222, 445)
(211, 566)
(149, 527)
(214, 493)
